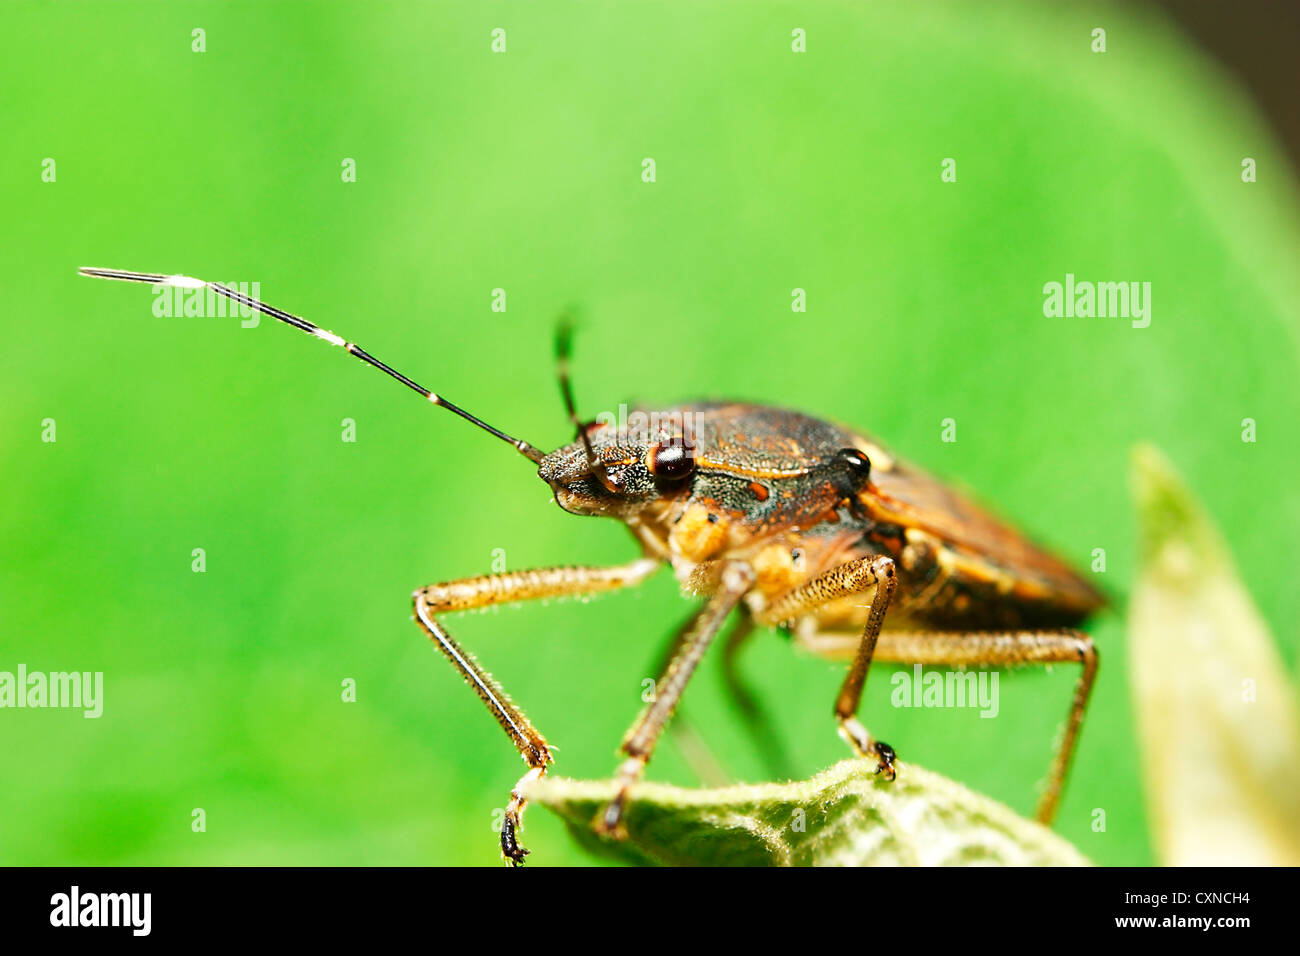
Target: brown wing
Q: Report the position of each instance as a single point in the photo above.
(902, 494)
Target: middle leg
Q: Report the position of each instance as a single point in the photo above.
(757, 721)
(639, 742)
(876, 574)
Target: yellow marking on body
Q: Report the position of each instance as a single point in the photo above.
(774, 567)
(697, 538)
(702, 462)
(977, 568)
(922, 551)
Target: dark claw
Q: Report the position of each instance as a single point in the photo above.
(609, 822)
(510, 847)
(885, 754)
(613, 815)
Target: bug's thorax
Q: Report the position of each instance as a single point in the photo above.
(768, 486)
(753, 471)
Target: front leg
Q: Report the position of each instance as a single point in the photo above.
(489, 589)
(639, 742)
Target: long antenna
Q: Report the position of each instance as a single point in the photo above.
(186, 282)
(563, 349)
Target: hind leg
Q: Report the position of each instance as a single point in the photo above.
(991, 648)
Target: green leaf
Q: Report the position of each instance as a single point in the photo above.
(1216, 710)
(844, 816)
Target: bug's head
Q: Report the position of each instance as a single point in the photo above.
(618, 471)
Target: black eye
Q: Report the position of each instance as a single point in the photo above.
(672, 461)
(857, 463)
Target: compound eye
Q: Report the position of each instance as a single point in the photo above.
(672, 461)
(858, 464)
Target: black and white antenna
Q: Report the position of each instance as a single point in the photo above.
(187, 282)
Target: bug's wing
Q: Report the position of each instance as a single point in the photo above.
(905, 495)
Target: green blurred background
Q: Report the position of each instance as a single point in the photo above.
(522, 171)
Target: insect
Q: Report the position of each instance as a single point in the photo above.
(790, 521)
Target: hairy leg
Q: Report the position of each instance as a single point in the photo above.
(991, 648)
(878, 575)
(485, 591)
(639, 742)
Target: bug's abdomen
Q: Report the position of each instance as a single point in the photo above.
(949, 587)
(959, 566)
(953, 601)
(941, 587)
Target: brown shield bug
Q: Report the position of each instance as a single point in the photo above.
(791, 521)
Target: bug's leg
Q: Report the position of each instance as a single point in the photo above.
(688, 740)
(994, 648)
(854, 577)
(489, 589)
(695, 751)
(756, 718)
(639, 741)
